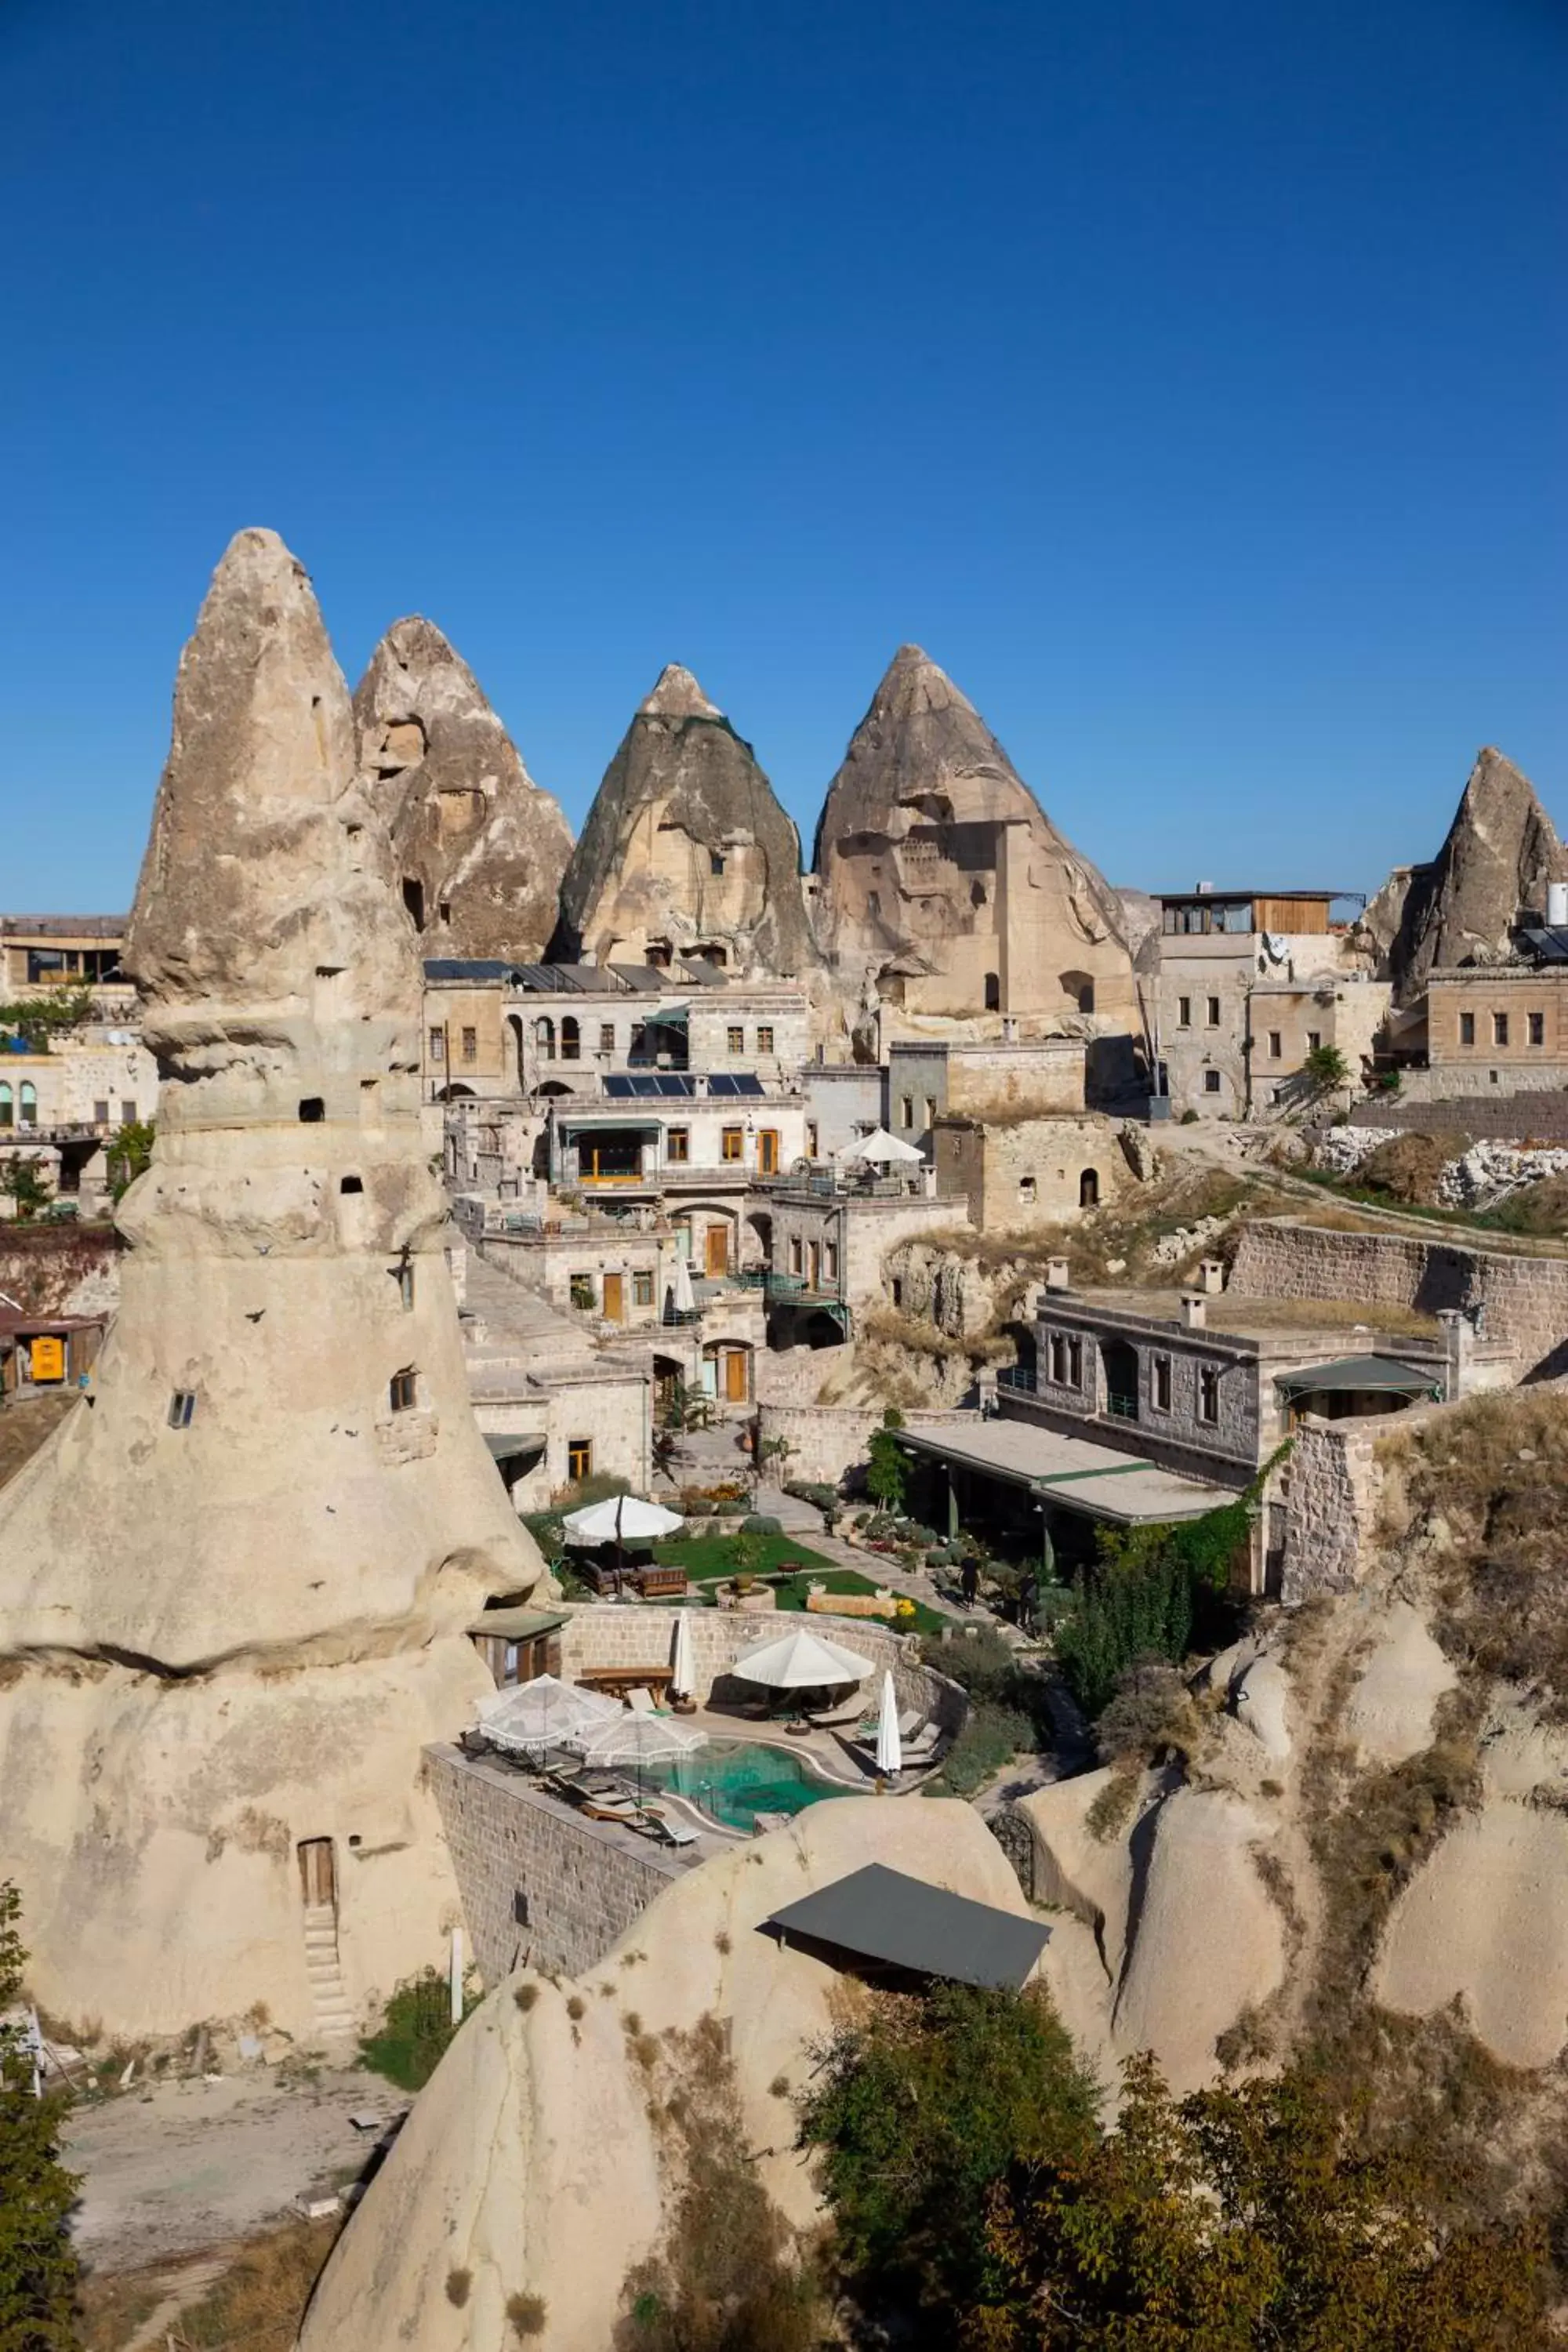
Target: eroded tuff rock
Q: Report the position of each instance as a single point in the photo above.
(687, 849)
(1500, 852)
(235, 1582)
(480, 849)
(945, 888)
(538, 2161)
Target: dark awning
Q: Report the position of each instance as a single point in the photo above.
(507, 1448)
(877, 1914)
(1379, 1373)
(519, 1625)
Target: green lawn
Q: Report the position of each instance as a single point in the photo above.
(706, 1558)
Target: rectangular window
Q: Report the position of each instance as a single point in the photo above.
(1214, 1012)
(606, 1036)
(830, 1263)
(1162, 1383)
(811, 1138)
(437, 1044)
(678, 1145)
(930, 1110)
(1499, 1028)
(100, 1114)
(128, 1113)
(582, 1293)
(735, 1038)
(1027, 1190)
(182, 1406)
(403, 1391)
(796, 1255)
(1211, 1082)
(733, 1143)
(642, 1290)
(1537, 1028)
(1466, 1028)
(579, 1459)
(1075, 1363)
(1314, 1039)
(715, 861)
(1058, 1360)
(897, 1291)
(767, 1151)
(764, 1041)
(1276, 1044)
(404, 1276)
(1208, 1394)
(907, 1109)
(470, 1045)
(1184, 1011)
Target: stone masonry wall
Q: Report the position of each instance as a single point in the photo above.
(1524, 1299)
(537, 1882)
(1335, 1487)
(830, 1439)
(1510, 1120)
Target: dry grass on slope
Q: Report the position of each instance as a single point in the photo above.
(25, 1424)
(255, 2304)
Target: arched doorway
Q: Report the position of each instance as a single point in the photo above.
(1089, 1189)
(758, 1240)
(992, 993)
(1119, 1363)
(515, 1029)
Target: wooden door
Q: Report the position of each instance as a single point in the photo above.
(615, 1298)
(814, 1266)
(735, 1376)
(718, 1248)
(318, 1877)
(767, 1151)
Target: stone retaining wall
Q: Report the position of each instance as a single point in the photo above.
(1524, 1299)
(1489, 1118)
(538, 1883)
(829, 1440)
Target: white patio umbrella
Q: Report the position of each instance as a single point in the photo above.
(634, 1739)
(881, 1148)
(801, 1662)
(528, 1717)
(683, 1665)
(622, 1518)
(890, 1746)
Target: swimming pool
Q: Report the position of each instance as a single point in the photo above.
(736, 1780)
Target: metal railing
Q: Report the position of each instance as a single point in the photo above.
(1018, 1376)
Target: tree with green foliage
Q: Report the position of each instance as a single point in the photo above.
(22, 1179)
(128, 1154)
(414, 2034)
(918, 2115)
(1326, 1069)
(1246, 2216)
(37, 1019)
(38, 2267)
(887, 1464)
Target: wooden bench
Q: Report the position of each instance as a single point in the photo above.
(617, 1681)
(659, 1580)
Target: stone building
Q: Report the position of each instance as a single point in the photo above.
(829, 1241)
(945, 888)
(38, 952)
(236, 1583)
(1224, 1056)
(1027, 1171)
(1501, 1028)
(929, 1079)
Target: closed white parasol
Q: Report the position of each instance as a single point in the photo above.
(881, 1148)
(890, 1746)
(801, 1662)
(682, 1297)
(683, 1665)
(530, 1716)
(624, 1518)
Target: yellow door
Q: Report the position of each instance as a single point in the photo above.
(48, 1359)
(735, 1376)
(718, 1248)
(615, 1305)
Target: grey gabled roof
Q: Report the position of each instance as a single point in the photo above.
(1350, 1372)
(877, 1914)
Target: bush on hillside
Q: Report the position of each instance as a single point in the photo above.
(1406, 1168)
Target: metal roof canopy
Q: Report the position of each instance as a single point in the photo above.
(883, 1914)
(505, 1447)
(515, 1624)
(1127, 1490)
(1346, 1373)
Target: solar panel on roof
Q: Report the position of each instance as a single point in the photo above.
(645, 1085)
(747, 1085)
(671, 1086)
(618, 1087)
(721, 1083)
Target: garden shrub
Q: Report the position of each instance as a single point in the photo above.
(760, 1523)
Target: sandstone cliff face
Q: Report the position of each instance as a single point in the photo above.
(1500, 852)
(480, 849)
(237, 1579)
(687, 849)
(945, 888)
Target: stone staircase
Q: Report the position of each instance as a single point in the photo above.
(328, 1995)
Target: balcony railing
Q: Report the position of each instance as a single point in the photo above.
(1121, 1408)
(1018, 1376)
(798, 1289)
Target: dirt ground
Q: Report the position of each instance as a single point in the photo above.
(186, 2166)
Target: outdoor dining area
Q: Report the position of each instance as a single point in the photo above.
(602, 1531)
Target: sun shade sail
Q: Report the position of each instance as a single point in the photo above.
(1350, 1372)
(882, 1914)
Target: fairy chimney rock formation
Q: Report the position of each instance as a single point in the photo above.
(686, 851)
(234, 1586)
(480, 849)
(1501, 853)
(945, 888)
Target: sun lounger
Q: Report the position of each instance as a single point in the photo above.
(641, 1701)
(675, 1833)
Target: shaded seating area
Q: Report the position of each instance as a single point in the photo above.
(884, 1925)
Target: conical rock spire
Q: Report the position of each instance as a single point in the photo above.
(480, 849)
(1500, 852)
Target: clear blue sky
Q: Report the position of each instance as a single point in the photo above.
(1189, 377)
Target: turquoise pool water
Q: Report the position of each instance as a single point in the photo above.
(735, 1780)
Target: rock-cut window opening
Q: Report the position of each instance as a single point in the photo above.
(404, 1276)
(313, 1110)
(413, 900)
(351, 1185)
(992, 993)
(181, 1408)
(403, 1391)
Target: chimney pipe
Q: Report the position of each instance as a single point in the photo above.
(1057, 1276)
(1195, 1310)
(1557, 905)
(1211, 1276)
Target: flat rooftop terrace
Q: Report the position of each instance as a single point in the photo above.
(1100, 1481)
(1272, 1322)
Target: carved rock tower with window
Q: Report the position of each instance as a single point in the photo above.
(234, 1587)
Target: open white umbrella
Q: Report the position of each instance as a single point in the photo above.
(890, 1746)
(801, 1662)
(683, 1299)
(683, 1665)
(634, 1739)
(881, 1148)
(528, 1717)
(624, 1518)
